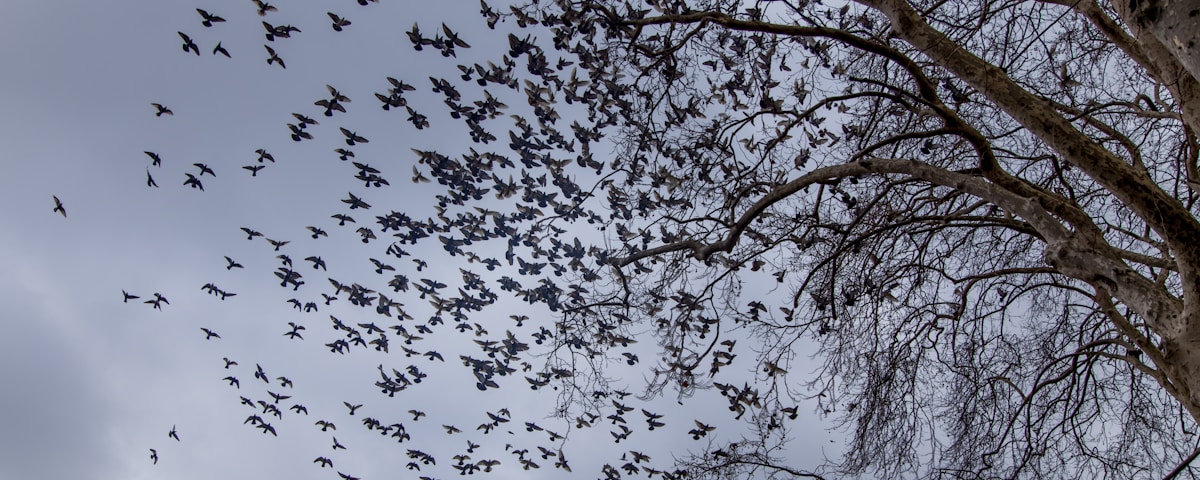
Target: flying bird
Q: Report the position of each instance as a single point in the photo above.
(204, 169)
(160, 110)
(209, 334)
(338, 22)
(154, 456)
(58, 206)
(173, 434)
(264, 155)
(250, 234)
(253, 169)
(150, 180)
(264, 7)
(128, 296)
(352, 137)
(193, 182)
(188, 44)
(208, 18)
(155, 160)
(273, 57)
(221, 50)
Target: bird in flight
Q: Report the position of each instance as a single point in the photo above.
(264, 7)
(150, 180)
(128, 296)
(273, 57)
(193, 182)
(154, 456)
(58, 206)
(173, 434)
(208, 19)
(155, 160)
(221, 50)
(160, 110)
(338, 22)
(188, 44)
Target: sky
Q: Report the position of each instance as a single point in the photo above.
(93, 383)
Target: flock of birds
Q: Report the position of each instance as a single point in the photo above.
(473, 177)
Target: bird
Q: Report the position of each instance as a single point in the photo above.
(128, 296)
(58, 206)
(337, 445)
(188, 44)
(155, 160)
(228, 362)
(159, 110)
(317, 232)
(221, 50)
(193, 182)
(173, 433)
(150, 180)
(273, 57)
(338, 22)
(325, 425)
(233, 381)
(154, 456)
(317, 263)
(264, 155)
(356, 202)
(352, 408)
(352, 137)
(204, 169)
(342, 219)
(208, 18)
(277, 243)
(298, 133)
(209, 334)
(264, 7)
(251, 233)
(325, 462)
(158, 301)
(253, 169)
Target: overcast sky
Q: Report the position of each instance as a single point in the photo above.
(91, 384)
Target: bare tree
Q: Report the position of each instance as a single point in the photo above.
(982, 211)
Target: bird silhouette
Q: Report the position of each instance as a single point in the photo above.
(325, 462)
(173, 433)
(272, 57)
(208, 19)
(250, 234)
(58, 206)
(154, 456)
(337, 445)
(155, 160)
(204, 169)
(338, 21)
(352, 408)
(264, 7)
(253, 169)
(150, 180)
(193, 182)
(221, 50)
(128, 296)
(352, 138)
(188, 44)
(160, 110)
(209, 334)
(264, 155)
